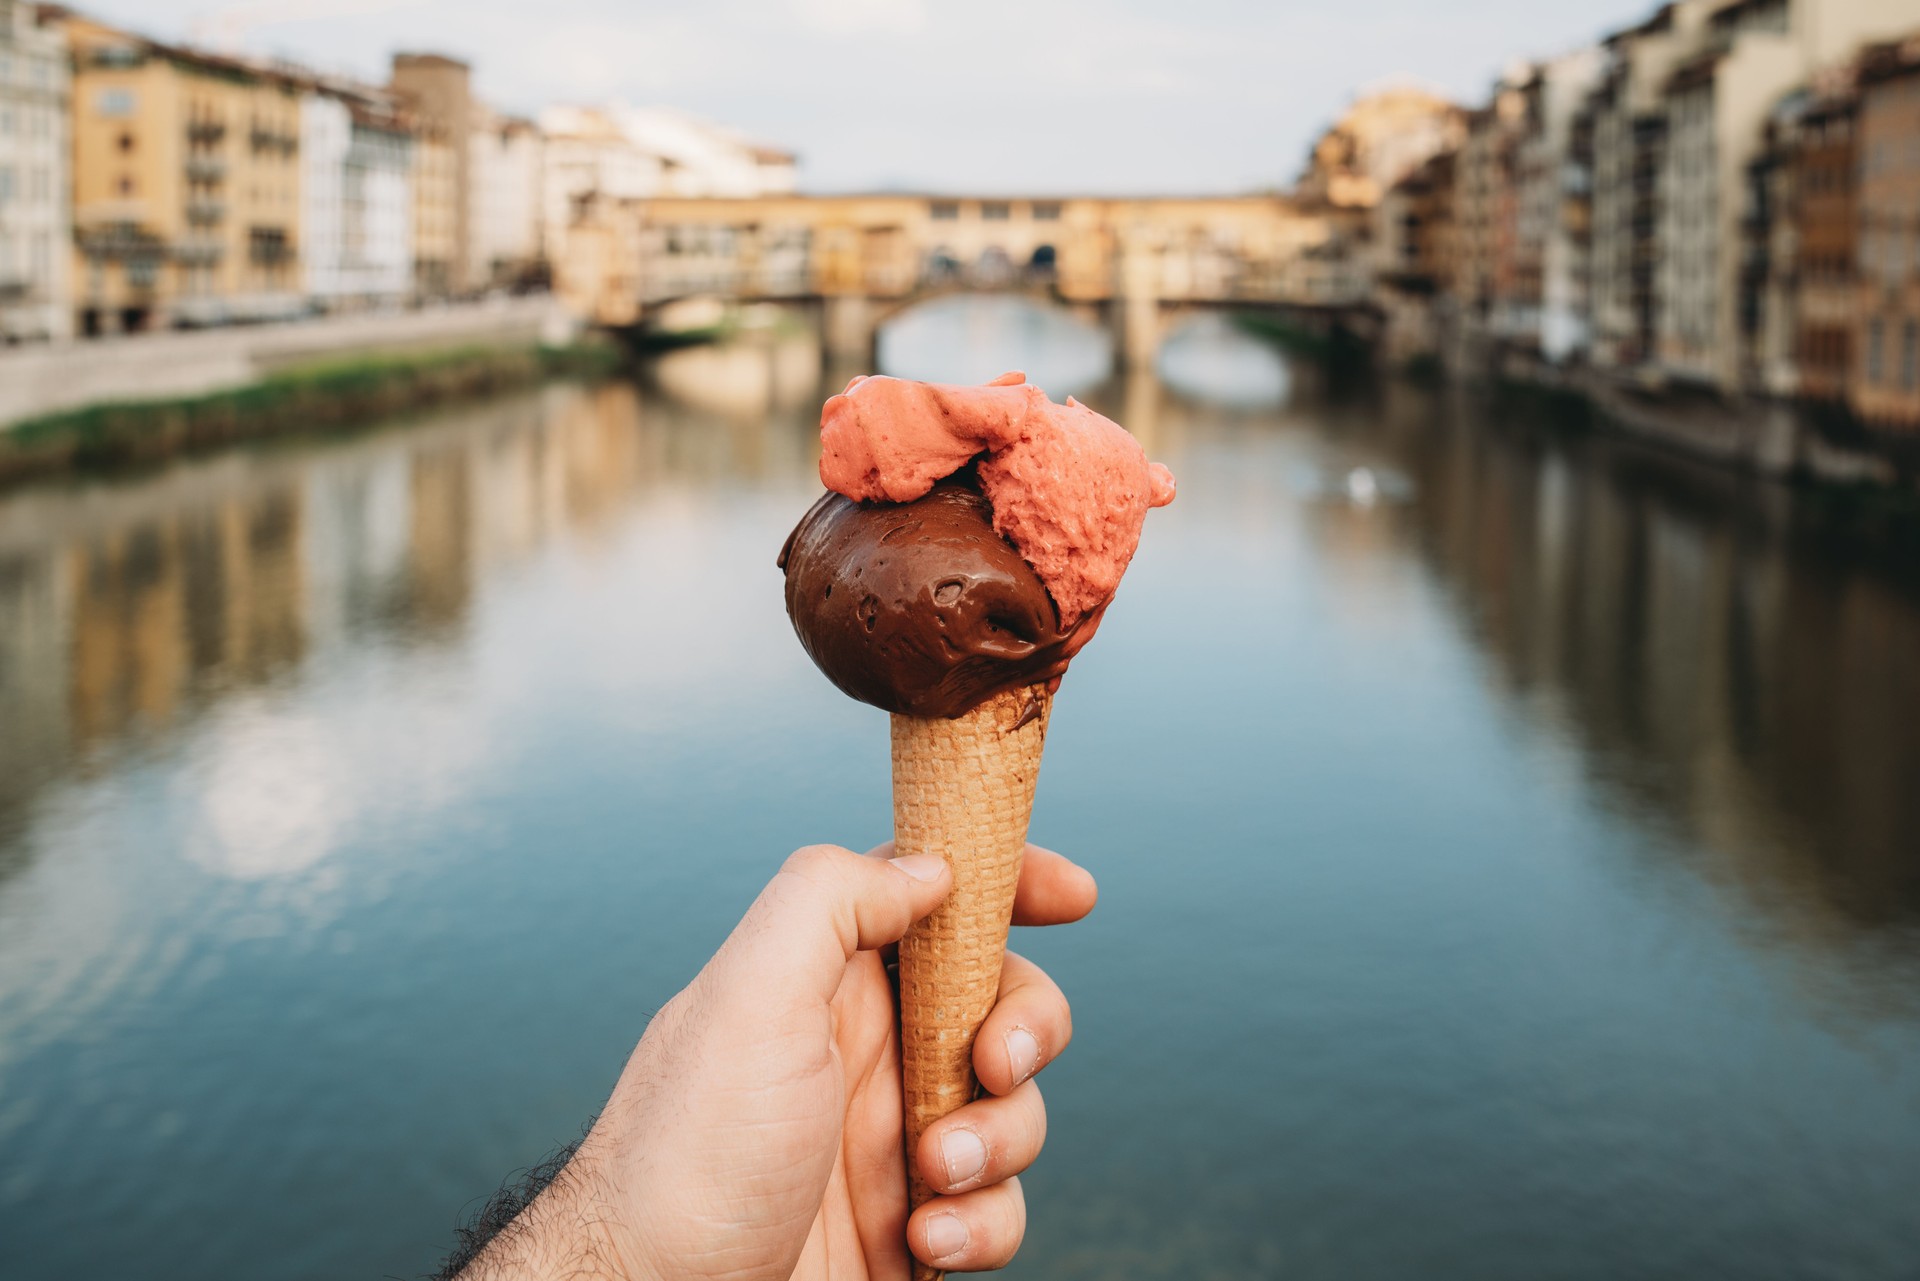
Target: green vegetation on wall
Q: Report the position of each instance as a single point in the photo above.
(303, 398)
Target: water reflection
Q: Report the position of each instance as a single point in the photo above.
(1721, 663)
(127, 608)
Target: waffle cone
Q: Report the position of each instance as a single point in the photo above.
(962, 789)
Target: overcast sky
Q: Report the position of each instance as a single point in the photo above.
(987, 95)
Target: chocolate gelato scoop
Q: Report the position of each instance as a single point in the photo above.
(920, 608)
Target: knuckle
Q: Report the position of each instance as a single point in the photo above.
(814, 862)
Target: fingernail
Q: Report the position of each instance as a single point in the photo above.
(921, 867)
(1023, 1054)
(946, 1236)
(964, 1154)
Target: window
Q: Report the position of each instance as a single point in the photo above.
(126, 186)
(1876, 339)
(1046, 211)
(6, 123)
(6, 183)
(126, 142)
(1910, 356)
(944, 210)
(995, 210)
(114, 103)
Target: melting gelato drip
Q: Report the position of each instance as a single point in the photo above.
(921, 608)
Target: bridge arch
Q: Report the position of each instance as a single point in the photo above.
(974, 335)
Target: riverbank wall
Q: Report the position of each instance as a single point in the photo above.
(42, 380)
(141, 400)
(1772, 437)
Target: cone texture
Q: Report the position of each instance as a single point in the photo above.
(962, 789)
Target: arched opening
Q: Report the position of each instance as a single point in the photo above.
(941, 267)
(973, 337)
(1206, 356)
(993, 268)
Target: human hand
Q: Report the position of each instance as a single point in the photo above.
(756, 1132)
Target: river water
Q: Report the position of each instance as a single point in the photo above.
(1509, 842)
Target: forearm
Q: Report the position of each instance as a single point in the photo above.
(553, 1223)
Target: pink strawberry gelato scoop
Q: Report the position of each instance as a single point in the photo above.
(1069, 489)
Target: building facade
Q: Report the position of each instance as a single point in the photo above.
(1629, 157)
(1485, 212)
(438, 91)
(1553, 318)
(433, 176)
(186, 185)
(507, 200)
(1415, 259)
(1884, 382)
(1798, 284)
(1719, 100)
(35, 264)
(588, 159)
(357, 194)
(1380, 139)
(700, 158)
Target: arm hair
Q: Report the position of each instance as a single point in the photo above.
(501, 1209)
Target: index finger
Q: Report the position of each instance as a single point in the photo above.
(1053, 890)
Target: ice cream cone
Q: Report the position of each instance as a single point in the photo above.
(962, 789)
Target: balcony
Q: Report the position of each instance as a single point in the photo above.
(269, 246)
(264, 139)
(204, 212)
(198, 249)
(206, 131)
(205, 169)
(116, 240)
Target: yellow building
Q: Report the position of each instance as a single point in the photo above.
(436, 206)
(186, 185)
(1381, 138)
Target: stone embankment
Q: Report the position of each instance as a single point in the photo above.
(36, 381)
(142, 399)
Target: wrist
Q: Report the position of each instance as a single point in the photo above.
(570, 1231)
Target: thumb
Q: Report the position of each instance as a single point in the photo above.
(826, 904)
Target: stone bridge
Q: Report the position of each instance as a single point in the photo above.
(1136, 264)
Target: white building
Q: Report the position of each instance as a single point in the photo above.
(633, 153)
(357, 201)
(505, 165)
(587, 157)
(1556, 93)
(1629, 142)
(326, 127)
(700, 158)
(35, 188)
